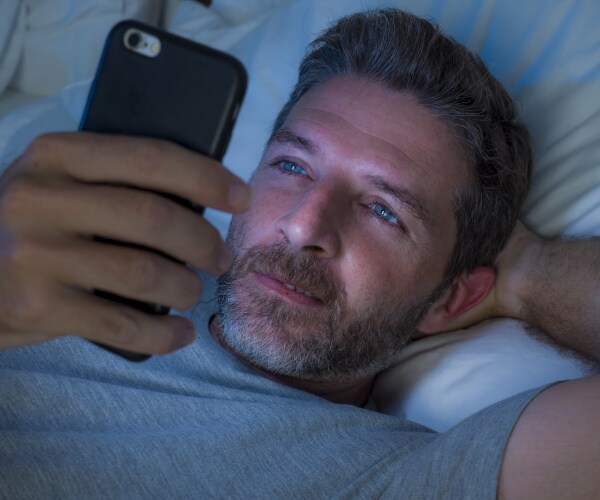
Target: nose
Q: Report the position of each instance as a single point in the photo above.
(315, 219)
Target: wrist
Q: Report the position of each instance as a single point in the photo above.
(516, 265)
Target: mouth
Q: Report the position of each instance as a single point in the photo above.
(288, 291)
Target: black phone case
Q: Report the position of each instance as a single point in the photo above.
(189, 94)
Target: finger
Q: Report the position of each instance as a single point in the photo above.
(10, 339)
(143, 218)
(117, 325)
(118, 213)
(147, 163)
(121, 270)
(56, 310)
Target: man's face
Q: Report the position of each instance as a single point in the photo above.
(345, 246)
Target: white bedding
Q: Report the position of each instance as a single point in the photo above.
(546, 52)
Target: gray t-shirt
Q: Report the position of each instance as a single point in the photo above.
(79, 422)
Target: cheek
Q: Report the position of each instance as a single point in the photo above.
(373, 272)
(274, 199)
(257, 224)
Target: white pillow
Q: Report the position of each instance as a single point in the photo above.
(443, 379)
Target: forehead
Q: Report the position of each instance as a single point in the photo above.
(382, 122)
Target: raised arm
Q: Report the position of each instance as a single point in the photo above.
(555, 286)
(552, 284)
(554, 450)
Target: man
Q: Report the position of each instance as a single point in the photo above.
(390, 183)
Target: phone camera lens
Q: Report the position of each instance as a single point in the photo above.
(134, 40)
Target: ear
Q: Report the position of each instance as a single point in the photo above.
(463, 295)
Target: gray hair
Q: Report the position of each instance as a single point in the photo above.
(407, 53)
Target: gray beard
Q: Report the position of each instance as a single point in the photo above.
(329, 345)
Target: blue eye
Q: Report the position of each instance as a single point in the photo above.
(291, 167)
(384, 213)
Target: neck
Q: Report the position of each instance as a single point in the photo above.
(353, 392)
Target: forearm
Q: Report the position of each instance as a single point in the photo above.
(558, 291)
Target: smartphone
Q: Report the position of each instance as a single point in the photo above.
(155, 84)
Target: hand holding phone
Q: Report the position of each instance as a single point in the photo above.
(154, 84)
(67, 187)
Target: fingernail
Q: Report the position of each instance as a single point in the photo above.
(239, 196)
(187, 335)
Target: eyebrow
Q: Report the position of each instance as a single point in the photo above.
(285, 136)
(405, 197)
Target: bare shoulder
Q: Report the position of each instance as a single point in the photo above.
(554, 449)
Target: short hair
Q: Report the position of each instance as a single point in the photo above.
(409, 54)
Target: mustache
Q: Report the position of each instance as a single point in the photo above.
(300, 270)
